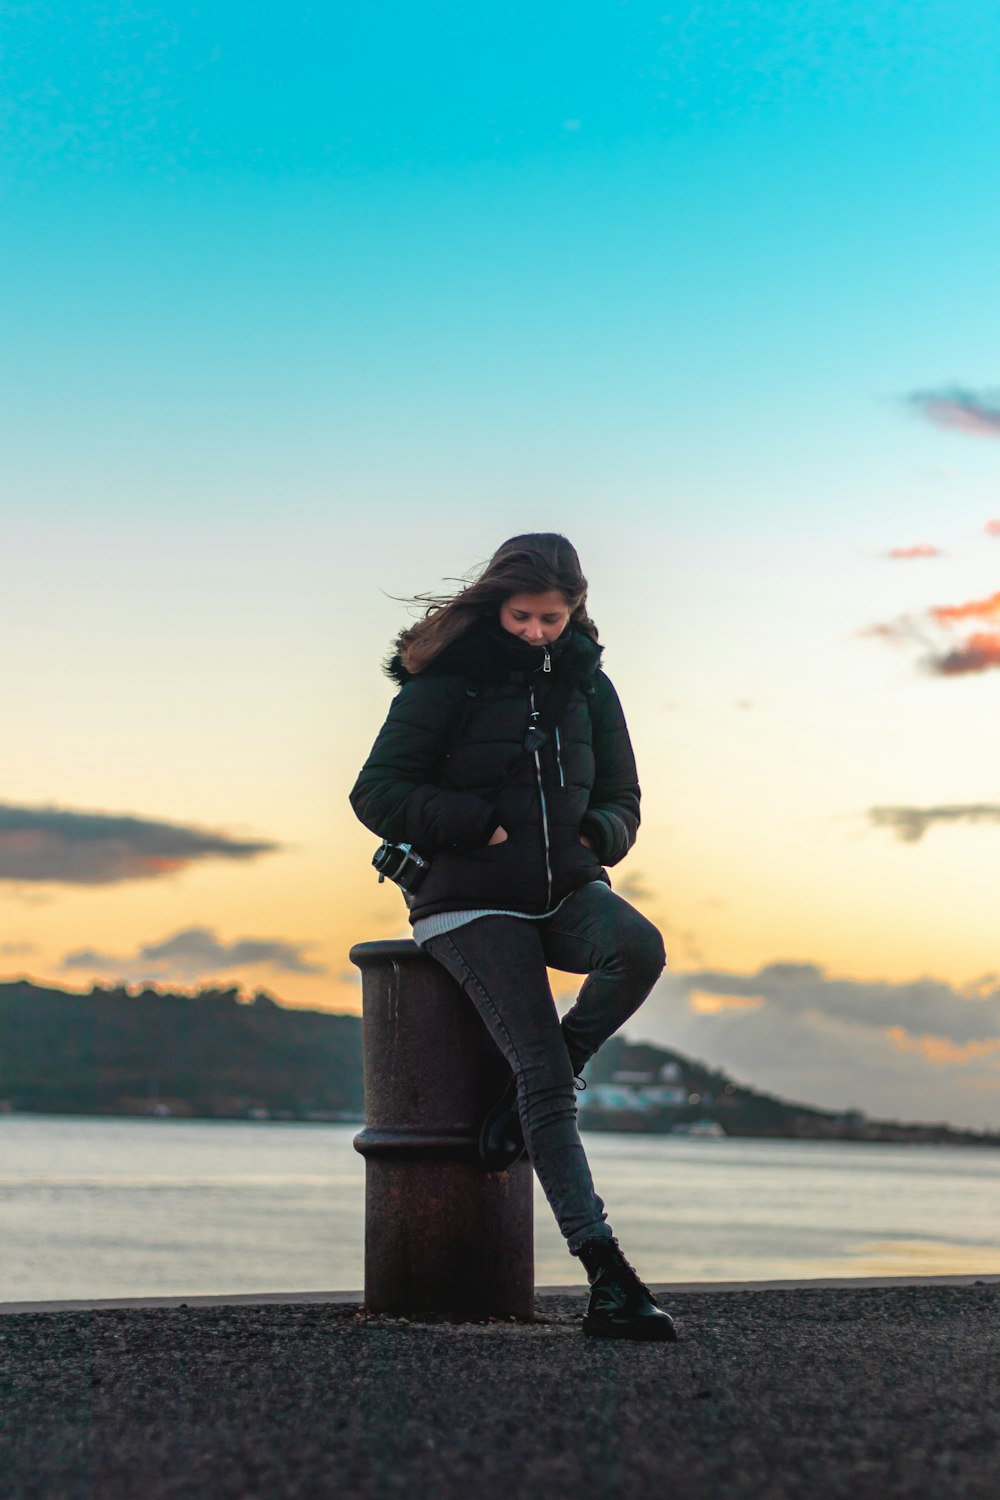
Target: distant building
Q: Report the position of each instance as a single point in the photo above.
(616, 1097)
(666, 1095)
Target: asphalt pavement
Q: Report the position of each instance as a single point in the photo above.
(861, 1392)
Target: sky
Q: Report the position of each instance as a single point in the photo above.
(306, 309)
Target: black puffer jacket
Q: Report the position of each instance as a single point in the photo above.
(448, 768)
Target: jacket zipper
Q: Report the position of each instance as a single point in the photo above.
(545, 813)
(562, 779)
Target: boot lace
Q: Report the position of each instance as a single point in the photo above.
(631, 1273)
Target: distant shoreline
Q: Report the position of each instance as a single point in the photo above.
(866, 1132)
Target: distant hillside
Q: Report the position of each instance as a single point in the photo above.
(641, 1072)
(215, 1055)
(111, 1052)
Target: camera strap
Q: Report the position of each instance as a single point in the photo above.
(541, 726)
(544, 719)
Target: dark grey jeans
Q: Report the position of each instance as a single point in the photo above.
(501, 962)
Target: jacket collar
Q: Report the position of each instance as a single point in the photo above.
(488, 653)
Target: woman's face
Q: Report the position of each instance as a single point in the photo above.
(538, 619)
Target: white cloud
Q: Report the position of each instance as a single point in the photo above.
(920, 1050)
(68, 847)
(192, 953)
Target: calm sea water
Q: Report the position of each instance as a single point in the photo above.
(117, 1208)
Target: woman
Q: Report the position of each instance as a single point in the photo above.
(506, 763)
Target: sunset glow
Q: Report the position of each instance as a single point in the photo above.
(304, 318)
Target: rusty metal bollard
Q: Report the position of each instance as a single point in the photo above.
(442, 1234)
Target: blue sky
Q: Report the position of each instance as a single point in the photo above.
(309, 307)
(317, 229)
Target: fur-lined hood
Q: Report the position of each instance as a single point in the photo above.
(488, 653)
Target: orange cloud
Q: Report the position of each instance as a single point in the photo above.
(938, 1049)
(961, 410)
(980, 651)
(976, 609)
(992, 528)
(975, 653)
(705, 1004)
(919, 549)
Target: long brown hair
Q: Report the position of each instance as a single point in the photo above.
(534, 563)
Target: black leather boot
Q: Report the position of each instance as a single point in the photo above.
(620, 1306)
(501, 1139)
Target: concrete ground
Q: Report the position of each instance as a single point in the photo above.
(798, 1392)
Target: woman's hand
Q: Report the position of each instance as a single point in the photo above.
(499, 836)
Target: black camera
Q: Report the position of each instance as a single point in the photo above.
(402, 864)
